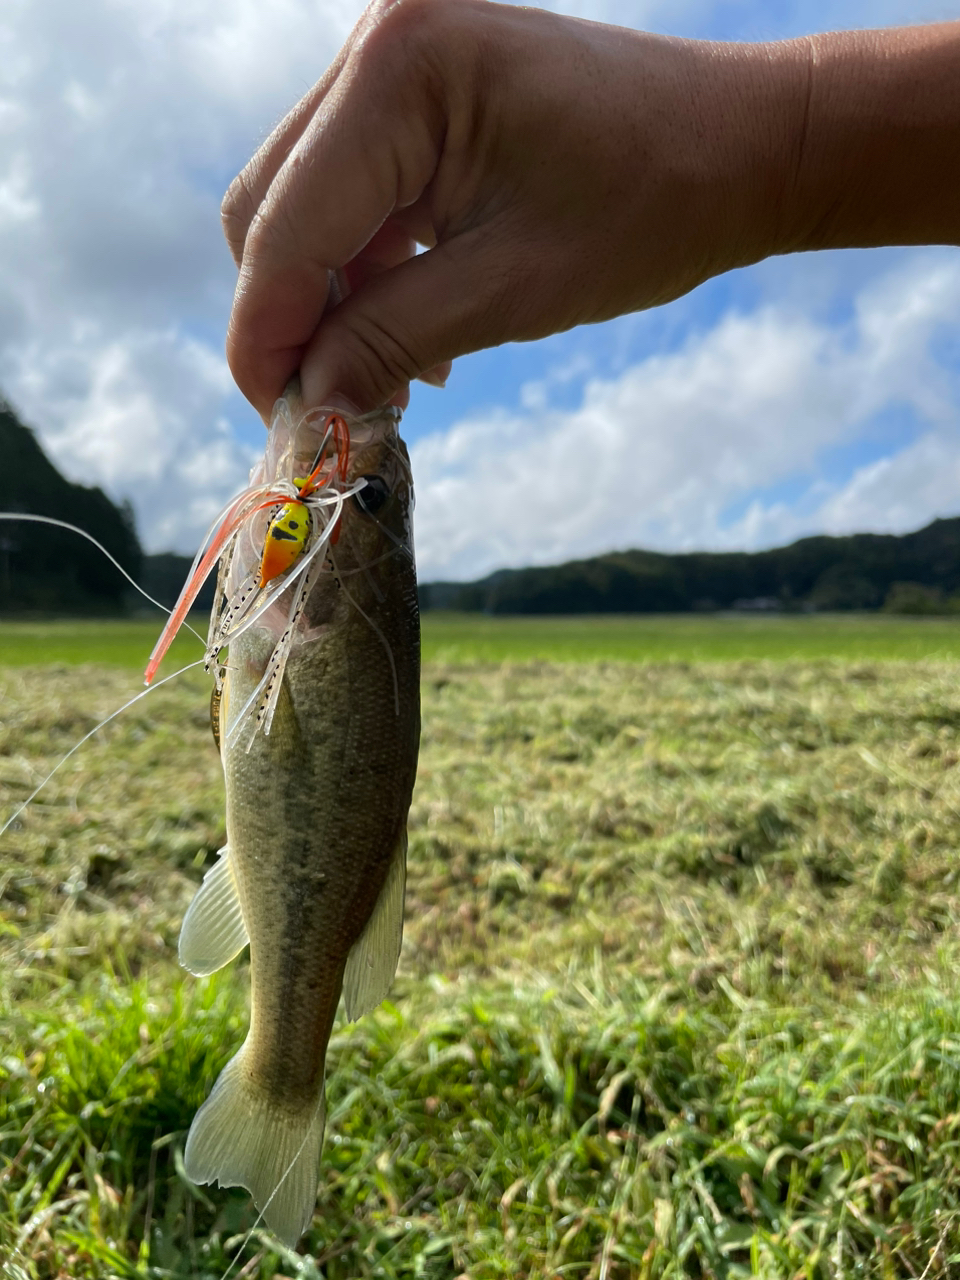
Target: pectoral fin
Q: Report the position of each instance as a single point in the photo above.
(372, 962)
(213, 930)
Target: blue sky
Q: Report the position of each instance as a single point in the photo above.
(816, 393)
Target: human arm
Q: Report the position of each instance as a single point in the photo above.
(565, 172)
(880, 151)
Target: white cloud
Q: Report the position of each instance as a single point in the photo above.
(125, 414)
(657, 456)
(894, 494)
(120, 125)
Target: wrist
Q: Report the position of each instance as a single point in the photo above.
(877, 145)
(762, 94)
(734, 149)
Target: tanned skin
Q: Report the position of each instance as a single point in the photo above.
(564, 172)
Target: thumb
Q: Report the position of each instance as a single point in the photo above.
(404, 322)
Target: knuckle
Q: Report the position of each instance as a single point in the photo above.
(271, 232)
(238, 353)
(399, 30)
(393, 20)
(236, 213)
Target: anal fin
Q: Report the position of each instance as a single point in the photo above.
(213, 930)
(372, 962)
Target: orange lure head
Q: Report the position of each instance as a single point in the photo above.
(288, 530)
(286, 538)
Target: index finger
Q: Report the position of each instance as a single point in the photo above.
(250, 186)
(370, 148)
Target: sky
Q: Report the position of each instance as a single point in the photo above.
(816, 393)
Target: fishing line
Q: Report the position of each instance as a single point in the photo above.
(371, 564)
(381, 637)
(63, 524)
(96, 729)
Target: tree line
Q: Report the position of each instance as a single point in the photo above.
(913, 573)
(50, 570)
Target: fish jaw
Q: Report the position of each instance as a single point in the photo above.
(316, 827)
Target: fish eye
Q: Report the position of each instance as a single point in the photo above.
(373, 494)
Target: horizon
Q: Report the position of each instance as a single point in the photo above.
(626, 551)
(693, 551)
(809, 394)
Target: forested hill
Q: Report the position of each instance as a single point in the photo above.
(916, 573)
(52, 570)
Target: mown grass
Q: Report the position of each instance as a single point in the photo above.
(113, 642)
(472, 637)
(677, 998)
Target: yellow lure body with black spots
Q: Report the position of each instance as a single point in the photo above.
(286, 538)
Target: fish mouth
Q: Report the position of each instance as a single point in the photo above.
(364, 429)
(301, 498)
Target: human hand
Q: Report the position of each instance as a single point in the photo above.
(562, 172)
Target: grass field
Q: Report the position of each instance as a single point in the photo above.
(678, 989)
(473, 637)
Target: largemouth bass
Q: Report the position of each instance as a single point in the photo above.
(318, 724)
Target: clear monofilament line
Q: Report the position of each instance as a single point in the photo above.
(87, 736)
(383, 640)
(273, 1194)
(73, 528)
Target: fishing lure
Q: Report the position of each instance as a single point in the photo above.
(304, 523)
(289, 529)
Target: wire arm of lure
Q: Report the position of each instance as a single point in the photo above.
(230, 524)
(30, 518)
(337, 431)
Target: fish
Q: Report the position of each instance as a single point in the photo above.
(316, 710)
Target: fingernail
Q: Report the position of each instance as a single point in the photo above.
(337, 401)
(436, 377)
(317, 396)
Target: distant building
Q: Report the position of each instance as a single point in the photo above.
(758, 604)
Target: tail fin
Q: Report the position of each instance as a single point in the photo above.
(240, 1138)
